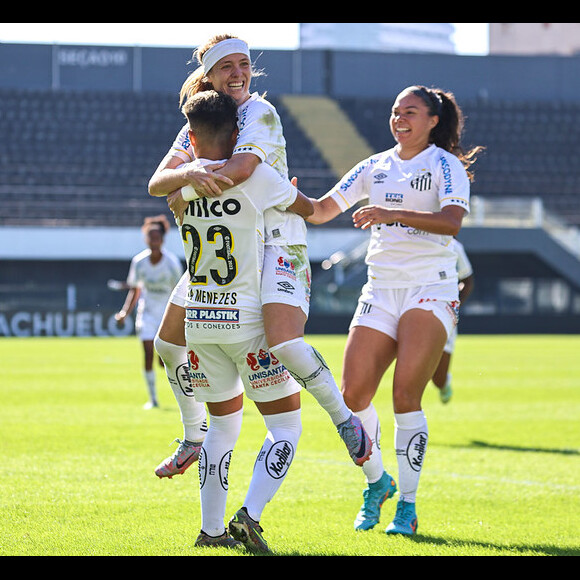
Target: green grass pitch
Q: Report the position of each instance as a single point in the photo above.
(501, 474)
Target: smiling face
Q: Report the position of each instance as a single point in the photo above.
(232, 75)
(411, 124)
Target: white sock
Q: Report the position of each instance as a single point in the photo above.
(273, 461)
(374, 467)
(150, 381)
(411, 436)
(214, 463)
(193, 414)
(308, 367)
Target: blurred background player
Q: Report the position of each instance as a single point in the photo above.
(408, 306)
(225, 66)
(152, 276)
(442, 376)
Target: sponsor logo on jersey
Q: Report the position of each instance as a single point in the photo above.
(205, 208)
(221, 319)
(242, 116)
(447, 181)
(285, 263)
(285, 268)
(185, 143)
(223, 314)
(354, 175)
(394, 198)
(409, 230)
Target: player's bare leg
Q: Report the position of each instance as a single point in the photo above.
(442, 378)
(149, 374)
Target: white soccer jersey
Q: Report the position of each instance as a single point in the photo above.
(156, 282)
(400, 256)
(260, 133)
(223, 239)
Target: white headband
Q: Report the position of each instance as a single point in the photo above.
(221, 49)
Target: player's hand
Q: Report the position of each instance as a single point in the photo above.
(117, 285)
(120, 318)
(206, 182)
(372, 215)
(177, 205)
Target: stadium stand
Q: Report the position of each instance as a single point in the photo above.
(331, 131)
(81, 157)
(85, 158)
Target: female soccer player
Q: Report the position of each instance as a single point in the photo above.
(225, 66)
(225, 332)
(152, 276)
(418, 193)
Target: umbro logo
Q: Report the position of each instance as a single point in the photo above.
(286, 285)
(380, 177)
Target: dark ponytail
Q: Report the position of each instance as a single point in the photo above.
(448, 131)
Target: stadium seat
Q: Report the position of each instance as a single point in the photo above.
(84, 157)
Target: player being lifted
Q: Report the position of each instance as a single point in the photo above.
(225, 66)
(223, 241)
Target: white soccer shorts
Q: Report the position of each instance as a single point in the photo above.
(450, 344)
(221, 372)
(382, 308)
(287, 276)
(146, 326)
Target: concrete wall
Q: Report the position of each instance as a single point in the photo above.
(334, 73)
